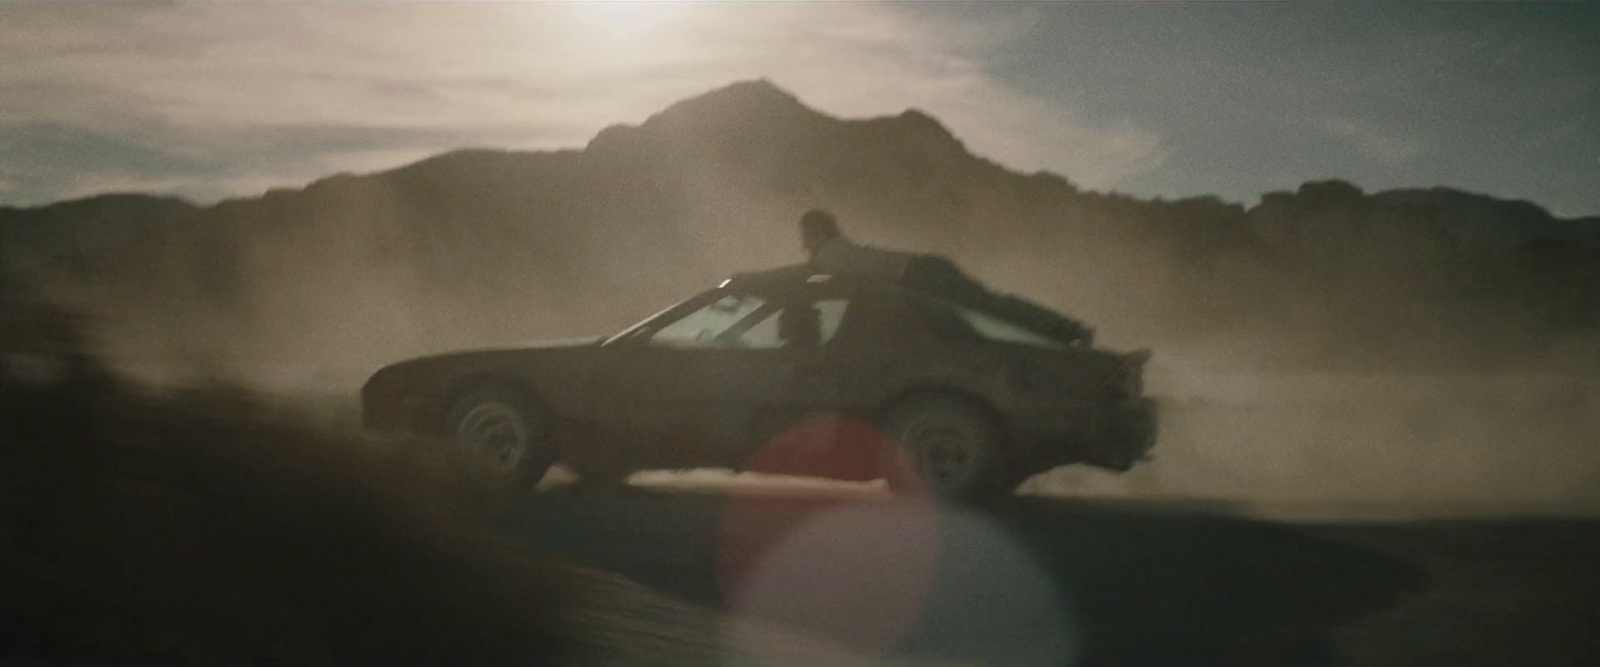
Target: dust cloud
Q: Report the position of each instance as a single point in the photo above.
(1237, 426)
(1323, 423)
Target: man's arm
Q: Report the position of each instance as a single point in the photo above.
(791, 272)
(841, 257)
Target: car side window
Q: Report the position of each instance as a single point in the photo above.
(800, 324)
(944, 320)
(1000, 330)
(970, 324)
(832, 312)
(744, 321)
(763, 335)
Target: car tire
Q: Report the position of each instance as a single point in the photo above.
(501, 431)
(950, 446)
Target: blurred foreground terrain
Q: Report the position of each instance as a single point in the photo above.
(212, 525)
(196, 528)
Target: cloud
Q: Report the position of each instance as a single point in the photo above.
(1370, 140)
(235, 95)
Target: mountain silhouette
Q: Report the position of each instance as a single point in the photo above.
(78, 236)
(483, 246)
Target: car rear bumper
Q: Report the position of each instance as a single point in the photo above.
(1114, 436)
(1123, 434)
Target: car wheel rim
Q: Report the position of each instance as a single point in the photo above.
(945, 453)
(495, 434)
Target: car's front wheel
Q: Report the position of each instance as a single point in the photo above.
(502, 432)
(952, 446)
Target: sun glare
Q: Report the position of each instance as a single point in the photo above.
(628, 30)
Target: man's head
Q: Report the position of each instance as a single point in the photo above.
(816, 228)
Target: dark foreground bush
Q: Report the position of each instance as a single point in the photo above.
(141, 529)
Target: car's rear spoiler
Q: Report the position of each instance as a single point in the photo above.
(1128, 378)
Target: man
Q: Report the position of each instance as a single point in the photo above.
(831, 253)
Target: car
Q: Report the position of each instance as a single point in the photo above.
(965, 403)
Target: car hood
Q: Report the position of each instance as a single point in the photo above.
(481, 357)
(522, 348)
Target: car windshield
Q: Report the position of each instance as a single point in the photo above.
(723, 322)
(645, 323)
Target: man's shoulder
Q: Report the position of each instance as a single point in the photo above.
(858, 260)
(847, 247)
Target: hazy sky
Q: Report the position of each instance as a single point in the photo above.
(215, 99)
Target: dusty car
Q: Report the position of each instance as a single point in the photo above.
(971, 403)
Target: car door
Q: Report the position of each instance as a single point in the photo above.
(790, 370)
(701, 389)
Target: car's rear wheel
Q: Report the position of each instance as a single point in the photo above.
(951, 446)
(502, 432)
